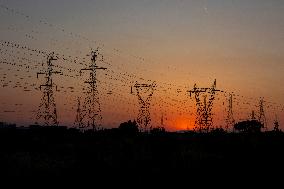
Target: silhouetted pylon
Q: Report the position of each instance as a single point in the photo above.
(162, 120)
(261, 117)
(47, 108)
(252, 115)
(276, 124)
(144, 117)
(204, 116)
(230, 121)
(79, 116)
(91, 110)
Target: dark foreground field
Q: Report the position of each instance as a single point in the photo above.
(66, 153)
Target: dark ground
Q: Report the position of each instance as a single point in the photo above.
(66, 153)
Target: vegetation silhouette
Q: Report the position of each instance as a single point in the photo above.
(123, 152)
(129, 128)
(276, 126)
(158, 130)
(218, 131)
(249, 126)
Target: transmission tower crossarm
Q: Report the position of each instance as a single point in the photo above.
(39, 73)
(86, 69)
(100, 68)
(56, 72)
(92, 69)
(89, 82)
(144, 85)
(46, 85)
(52, 58)
(197, 90)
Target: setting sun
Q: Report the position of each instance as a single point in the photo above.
(180, 123)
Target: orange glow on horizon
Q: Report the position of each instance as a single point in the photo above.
(181, 123)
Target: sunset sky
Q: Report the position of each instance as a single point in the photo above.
(240, 43)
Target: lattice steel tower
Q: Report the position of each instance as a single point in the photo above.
(91, 110)
(230, 121)
(144, 116)
(79, 116)
(204, 116)
(262, 118)
(162, 120)
(47, 108)
(276, 124)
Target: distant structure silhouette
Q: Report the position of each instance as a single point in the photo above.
(204, 116)
(249, 126)
(162, 120)
(129, 127)
(253, 115)
(79, 116)
(158, 130)
(262, 117)
(91, 111)
(276, 125)
(230, 121)
(47, 108)
(144, 117)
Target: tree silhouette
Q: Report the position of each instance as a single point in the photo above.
(157, 130)
(129, 127)
(249, 126)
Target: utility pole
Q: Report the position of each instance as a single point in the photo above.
(91, 110)
(144, 117)
(47, 108)
(204, 116)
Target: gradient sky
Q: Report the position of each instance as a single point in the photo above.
(175, 43)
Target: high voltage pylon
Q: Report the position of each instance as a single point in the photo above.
(261, 117)
(47, 108)
(162, 120)
(230, 121)
(144, 116)
(204, 116)
(252, 115)
(276, 124)
(79, 116)
(91, 110)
